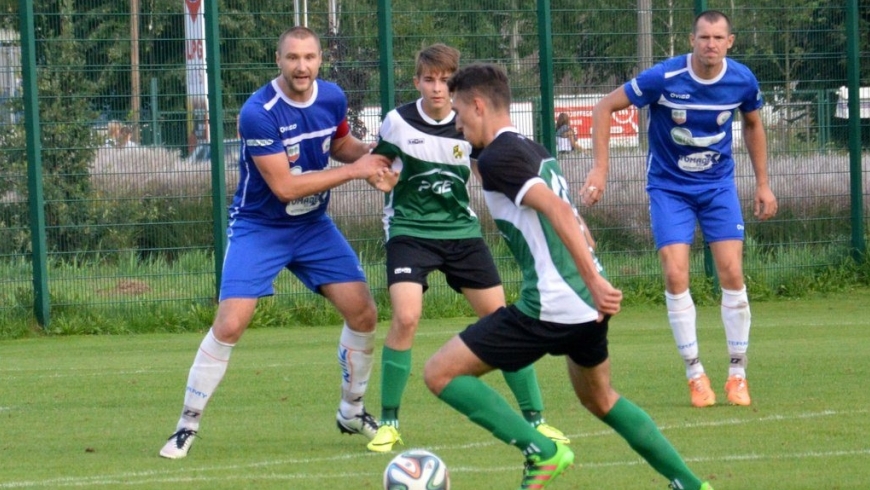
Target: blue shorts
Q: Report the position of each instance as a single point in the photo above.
(673, 215)
(315, 252)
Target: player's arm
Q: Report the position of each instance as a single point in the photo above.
(602, 115)
(288, 187)
(756, 145)
(562, 216)
(348, 148)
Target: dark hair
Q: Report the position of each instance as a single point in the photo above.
(711, 16)
(485, 80)
(297, 32)
(439, 58)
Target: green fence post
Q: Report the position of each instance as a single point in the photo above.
(859, 248)
(216, 134)
(156, 138)
(545, 45)
(35, 200)
(385, 51)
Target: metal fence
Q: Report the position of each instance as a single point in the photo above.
(117, 123)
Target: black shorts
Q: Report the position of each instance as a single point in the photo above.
(466, 262)
(510, 340)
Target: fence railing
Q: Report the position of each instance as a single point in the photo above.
(118, 141)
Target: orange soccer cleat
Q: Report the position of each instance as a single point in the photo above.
(737, 391)
(702, 394)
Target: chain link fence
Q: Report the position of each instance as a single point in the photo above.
(128, 199)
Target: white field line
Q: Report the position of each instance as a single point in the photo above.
(164, 476)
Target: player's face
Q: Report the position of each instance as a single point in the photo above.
(468, 121)
(710, 43)
(436, 98)
(299, 61)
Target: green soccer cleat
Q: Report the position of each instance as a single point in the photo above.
(540, 473)
(553, 433)
(385, 438)
(706, 486)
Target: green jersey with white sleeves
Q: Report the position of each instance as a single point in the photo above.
(552, 288)
(431, 198)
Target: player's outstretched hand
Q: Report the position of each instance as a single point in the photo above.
(370, 165)
(384, 180)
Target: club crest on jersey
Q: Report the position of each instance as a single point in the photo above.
(292, 153)
(723, 117)
(678, 116)
(457, 152)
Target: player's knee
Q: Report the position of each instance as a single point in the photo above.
(434, 376)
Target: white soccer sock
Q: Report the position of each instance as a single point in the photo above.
(206, 373)
(681, 315)
(355, 358)
(737, 319)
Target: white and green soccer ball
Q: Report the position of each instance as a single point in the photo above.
(416, 469)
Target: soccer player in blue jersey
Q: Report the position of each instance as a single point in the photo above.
(692, 102)
(430, 226)
(565, 299)
(289, 130)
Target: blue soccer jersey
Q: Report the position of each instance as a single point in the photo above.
(271, 123)
(690, 121)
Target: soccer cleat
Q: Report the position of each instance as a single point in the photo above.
(386, 437)
(704, 486)
(363, 424)
(737, 391)
(553, 433)
(540, 473)
(178, 444)
(702, 394)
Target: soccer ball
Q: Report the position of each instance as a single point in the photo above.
(416, 469)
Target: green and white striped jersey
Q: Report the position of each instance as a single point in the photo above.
(430, 199)
(552, 289)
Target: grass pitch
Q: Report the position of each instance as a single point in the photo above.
(92, 412)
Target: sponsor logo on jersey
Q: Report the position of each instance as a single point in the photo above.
(679, 96)
(457, 152)
(438, 187)
(327, 142)
(678, 115)
(684, 137)
(254, 142)
(292, 154)
(723, 117)
(283, 129)
(416, 141)
(402, 270)
(698, 162)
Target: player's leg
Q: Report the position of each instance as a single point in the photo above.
(354, 302)
(326, 263)
(406, 299)
(593, 389)
(251, 264)
(589, 371)
(453, 374)
(673, 225)
(722, 224)
(409, 262)
(523, 383)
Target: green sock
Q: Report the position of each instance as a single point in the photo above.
(395, 371)
(486, 408)
(524, 386)
(641, 433)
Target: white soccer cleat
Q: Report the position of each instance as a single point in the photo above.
(178, 444)
(363, 424)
